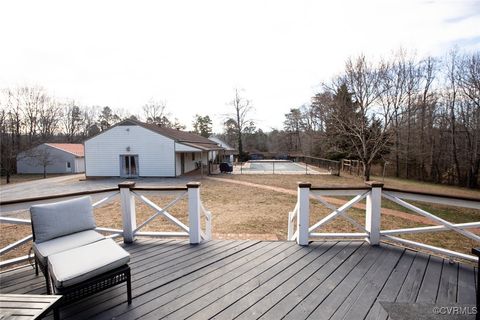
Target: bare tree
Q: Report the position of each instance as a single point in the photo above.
(49, 118)
(240, 118)
(10, 146)
(450, 98)
(394, 86)
(468, 79)
(155, 112)
(72, 120)
(40, 156)
(89, 125)
(426, 105)
(369, 130)
(34, 100)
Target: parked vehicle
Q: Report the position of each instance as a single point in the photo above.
(226, 167)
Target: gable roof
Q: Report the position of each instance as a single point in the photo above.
(222, 143)
(73, 148)
(183, 137)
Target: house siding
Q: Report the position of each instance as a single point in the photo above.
(189, 163)
(59, 159)
(156, 153)
(79, 164)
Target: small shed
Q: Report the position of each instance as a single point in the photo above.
(52, 158)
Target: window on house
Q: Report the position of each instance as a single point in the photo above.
(193, 156)
(68, 165)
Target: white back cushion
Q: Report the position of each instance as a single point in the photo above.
(54, 220)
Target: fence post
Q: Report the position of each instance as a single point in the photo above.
(303, 215)
(373, 212)
(194, 212)
(129, 217)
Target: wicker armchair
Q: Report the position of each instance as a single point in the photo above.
(76, 260)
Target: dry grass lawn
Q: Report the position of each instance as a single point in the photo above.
(241, 209)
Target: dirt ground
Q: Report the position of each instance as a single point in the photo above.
(238, 209)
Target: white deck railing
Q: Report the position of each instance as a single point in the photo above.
(300, 230)
(127, 192)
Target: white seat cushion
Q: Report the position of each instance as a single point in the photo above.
(45, 249)
(80, 264)
(58, 219)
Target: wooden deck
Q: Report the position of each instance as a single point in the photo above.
(267, 280)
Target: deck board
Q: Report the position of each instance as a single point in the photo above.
(222, 272)
(172, 279)
(392, 286)
(263, 298)
(360, 300)
(153, 278)
(237, 287)
(466, 292)
(431, 279)
(413, 281)
(289, 301)
(447, 291)
(294, 272)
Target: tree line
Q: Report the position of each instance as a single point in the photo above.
(420, 117)
(30, 116)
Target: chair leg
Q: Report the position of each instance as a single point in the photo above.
(56, 313)
(47, 281)
(129, 287)
(36, 267)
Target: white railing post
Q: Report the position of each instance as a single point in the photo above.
(303, 215)
(373, 212)
(194, 212)
(129, 216)
(290, 226)
(208, 226)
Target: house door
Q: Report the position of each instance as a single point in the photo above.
(129, 166)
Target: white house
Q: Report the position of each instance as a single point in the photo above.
(228, 152)
(135, 149)
(52, 158)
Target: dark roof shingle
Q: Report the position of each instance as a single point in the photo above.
(187, 138)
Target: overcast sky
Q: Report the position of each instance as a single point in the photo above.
(192, 54)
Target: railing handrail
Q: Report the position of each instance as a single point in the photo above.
(374, 232)
(128, 192)
(340, 188)
(154, 188)
(57, 196)
(423, 193)
(88, 192)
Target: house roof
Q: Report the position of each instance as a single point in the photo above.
(222, 143)
(74, 148)
(188, 138)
